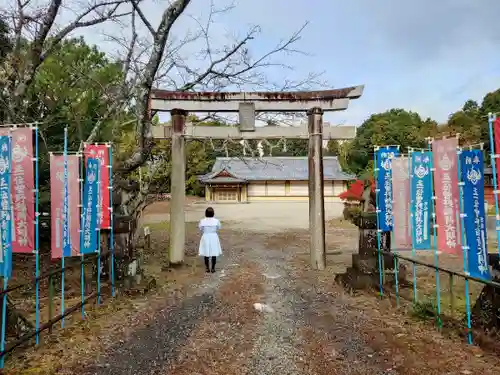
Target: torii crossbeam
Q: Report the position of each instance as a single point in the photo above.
(247, 104)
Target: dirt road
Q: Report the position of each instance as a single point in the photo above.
(209, 324)
(309, 326)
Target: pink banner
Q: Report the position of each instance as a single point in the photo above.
(57, 202)
(447, 195)
(101, 152)
(23, 185)
(401, 204)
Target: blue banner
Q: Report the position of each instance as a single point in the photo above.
(66, 236)
(384, 186)
(421, 199)
(6, 207)
(475, 218)
(90, 209)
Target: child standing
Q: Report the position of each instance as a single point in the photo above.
(209, 243)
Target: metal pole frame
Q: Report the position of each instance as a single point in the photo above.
(5, 279)
(377, 211)
(111, 221)
(37, 238)
(491, 119)
(66, 217)
(412, 220)
(464, 246)
(435, 226)
(98, 229)
(82, 267)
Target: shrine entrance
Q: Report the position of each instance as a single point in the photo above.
(247, 104)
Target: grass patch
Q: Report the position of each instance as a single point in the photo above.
(424, 310)
(158, 226)
(339, 222)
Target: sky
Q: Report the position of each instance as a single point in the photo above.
(426, 56)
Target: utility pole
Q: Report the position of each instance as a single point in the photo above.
(316, 192)
(177, 188)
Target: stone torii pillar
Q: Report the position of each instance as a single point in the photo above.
(247, 104)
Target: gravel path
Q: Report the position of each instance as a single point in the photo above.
(312, 327)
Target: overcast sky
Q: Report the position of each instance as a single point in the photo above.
(428, 55)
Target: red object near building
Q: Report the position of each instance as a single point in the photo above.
(355, 191)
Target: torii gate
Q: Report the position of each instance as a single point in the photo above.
(314, 103)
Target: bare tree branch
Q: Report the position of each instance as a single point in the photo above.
(170, 15)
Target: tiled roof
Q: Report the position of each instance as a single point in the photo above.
(276, 168)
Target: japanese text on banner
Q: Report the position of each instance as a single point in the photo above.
(401, 203)
(101, 153)
(57, 202)
(5, 207)
(475, 220)
(90, 209)
(447, 195)
(384, 184)
(22, 189)
(421, 199)
(66, 225)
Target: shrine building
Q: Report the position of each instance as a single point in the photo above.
(270, 179)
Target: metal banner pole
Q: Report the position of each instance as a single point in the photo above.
(435, 226)
(380, 266)
(37, 239)
(412, 218)
(82, 266)
(464, 248)
(65, 219)
(98, 228)
(111, 221)
(491, 119)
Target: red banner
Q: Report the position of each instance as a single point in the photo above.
(57, 202)
(23, 185)
(401, 204)
(101, 153)
(496, 133)
(447, 195)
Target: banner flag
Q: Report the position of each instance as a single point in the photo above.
(401, 203)
(5, 206)
(57, 198)
(22, 189)
(447, 195)
(472, 163)
(90, 209)
(421, 199)
(101, 153)
(384, 184)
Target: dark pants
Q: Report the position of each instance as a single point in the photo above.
(207, 262)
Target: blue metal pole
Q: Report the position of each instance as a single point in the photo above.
(5, 281)
(82, 267)
(4, 320)
(395, 250)
(491, 119)
(377, 209)
(464, 249)
(111, 234)
(434, 225)
(65, 218)
(37, 241)
(412, 218)
(99, 235)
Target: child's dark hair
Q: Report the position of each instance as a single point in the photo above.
(209, 212)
